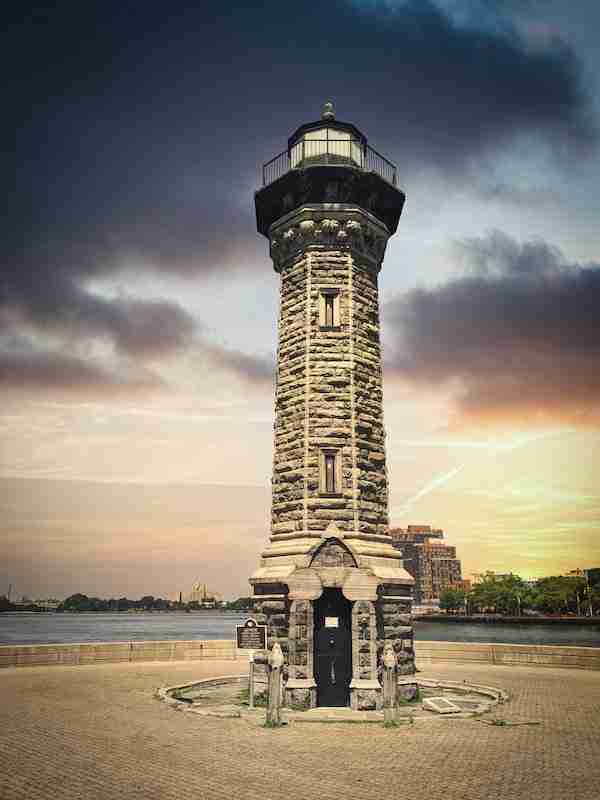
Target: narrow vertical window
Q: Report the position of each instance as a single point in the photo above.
(329, 318)
(330, 486)
(329, 309)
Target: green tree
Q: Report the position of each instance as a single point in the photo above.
(452, 599)
(76, 602)
(593, 598)
(241, 604)
(5, 604)
(502, 594)
(560, 594)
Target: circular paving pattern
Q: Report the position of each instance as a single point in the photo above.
(227, 697)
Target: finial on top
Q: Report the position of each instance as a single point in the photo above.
(328, 112)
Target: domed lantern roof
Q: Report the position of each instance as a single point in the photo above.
(327, 141)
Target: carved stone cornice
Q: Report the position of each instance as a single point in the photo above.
(328, 227)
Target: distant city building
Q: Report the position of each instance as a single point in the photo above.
(202, 595)
(464, 585)
(592, 575)
(575, 573)
(47, 603)
(432, 564)
(479, 577)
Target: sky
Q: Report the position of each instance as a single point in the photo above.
(138, 304)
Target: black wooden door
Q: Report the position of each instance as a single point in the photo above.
(333, 649)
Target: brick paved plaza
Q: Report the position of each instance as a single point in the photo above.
(97, 733)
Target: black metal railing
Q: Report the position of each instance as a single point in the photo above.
(375, 162)
(307, 152)
(276, 167)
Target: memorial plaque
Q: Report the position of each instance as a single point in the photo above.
(251, 636)
(440, 705)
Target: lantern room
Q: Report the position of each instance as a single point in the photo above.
(327, 141)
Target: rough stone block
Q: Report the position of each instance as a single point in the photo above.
(408, 691)
(366, 699)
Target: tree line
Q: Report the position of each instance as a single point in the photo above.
(81, 602)
(510, 595)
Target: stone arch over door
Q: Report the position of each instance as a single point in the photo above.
(333, 554)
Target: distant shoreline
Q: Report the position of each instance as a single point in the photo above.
(492, 619)
(131, 612)
(479, 619)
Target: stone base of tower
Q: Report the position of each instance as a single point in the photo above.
(332, 604)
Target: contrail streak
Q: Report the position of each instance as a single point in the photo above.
(434, 484)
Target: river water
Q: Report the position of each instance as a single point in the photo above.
(49, 628)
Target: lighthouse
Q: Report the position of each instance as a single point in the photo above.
(330, 586)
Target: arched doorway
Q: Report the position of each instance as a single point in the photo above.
(333, 648)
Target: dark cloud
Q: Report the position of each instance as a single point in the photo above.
(57, 304)
(461, 91)
(50, 371)
(520, 334)
(147, 141)
(25, 367)
(255, 369)
(141, 133)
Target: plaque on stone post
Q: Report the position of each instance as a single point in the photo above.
(251, 636)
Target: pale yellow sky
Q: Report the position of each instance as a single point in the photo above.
(130, 498)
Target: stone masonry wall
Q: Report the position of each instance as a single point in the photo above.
(290, 406)
(329, 395)
(394, 623)
(274, 612)
(368, 400)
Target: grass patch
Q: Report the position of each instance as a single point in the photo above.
(405, 701)
(504, 723)
(398, 723)
(299, 705)
(261, 699)
(339, 721)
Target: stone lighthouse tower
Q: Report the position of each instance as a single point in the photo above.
(330, 586)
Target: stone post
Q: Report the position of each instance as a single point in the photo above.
(251, 681)
(389, 683)
(275, 665)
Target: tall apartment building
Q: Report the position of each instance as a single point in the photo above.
(433, 564)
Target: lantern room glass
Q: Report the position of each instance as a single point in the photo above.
(329, 146)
